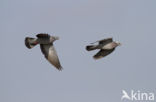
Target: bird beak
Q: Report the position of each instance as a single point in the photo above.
(56, 38)
(119, 44)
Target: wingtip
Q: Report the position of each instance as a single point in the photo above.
(60, 68)
(96, 58)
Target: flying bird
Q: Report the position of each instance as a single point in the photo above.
(47, 47)
(106, 47)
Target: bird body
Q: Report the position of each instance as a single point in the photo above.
(109, 46)
(46, 39)
(106, 47)
(47, 47)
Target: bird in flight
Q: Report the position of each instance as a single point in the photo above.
(47, 47)
(106, 47)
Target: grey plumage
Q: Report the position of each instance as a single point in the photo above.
(106, 47)
(47, 47)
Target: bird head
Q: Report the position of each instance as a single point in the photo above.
(53, 38)
(56, 38)
(118, 43)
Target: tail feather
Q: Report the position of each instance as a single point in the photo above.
(30, 42)
(91, 47)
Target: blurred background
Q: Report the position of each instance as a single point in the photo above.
(26, 76)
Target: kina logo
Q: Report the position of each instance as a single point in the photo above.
(137, 96)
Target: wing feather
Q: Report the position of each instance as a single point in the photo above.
(105, 41)
(51, 55)
(103, 53)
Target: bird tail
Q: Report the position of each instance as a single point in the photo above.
(91, 47)
(30, 42)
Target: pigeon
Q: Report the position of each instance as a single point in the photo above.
(47, 47)
(106, 47)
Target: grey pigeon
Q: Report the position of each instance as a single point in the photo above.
(47, 47)
(106, 47)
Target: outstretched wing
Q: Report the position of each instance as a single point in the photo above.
(103, 53)
(51, 55)
(104, 41)
(43, 35)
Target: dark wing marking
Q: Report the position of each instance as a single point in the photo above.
(50, 54)
(42, 35)
(45, 50)
(105, 41)
(103, 53)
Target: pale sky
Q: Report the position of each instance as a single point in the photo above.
(26, 76)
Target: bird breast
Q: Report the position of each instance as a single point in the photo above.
(109, 46)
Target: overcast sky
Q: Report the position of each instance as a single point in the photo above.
(26, 76)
